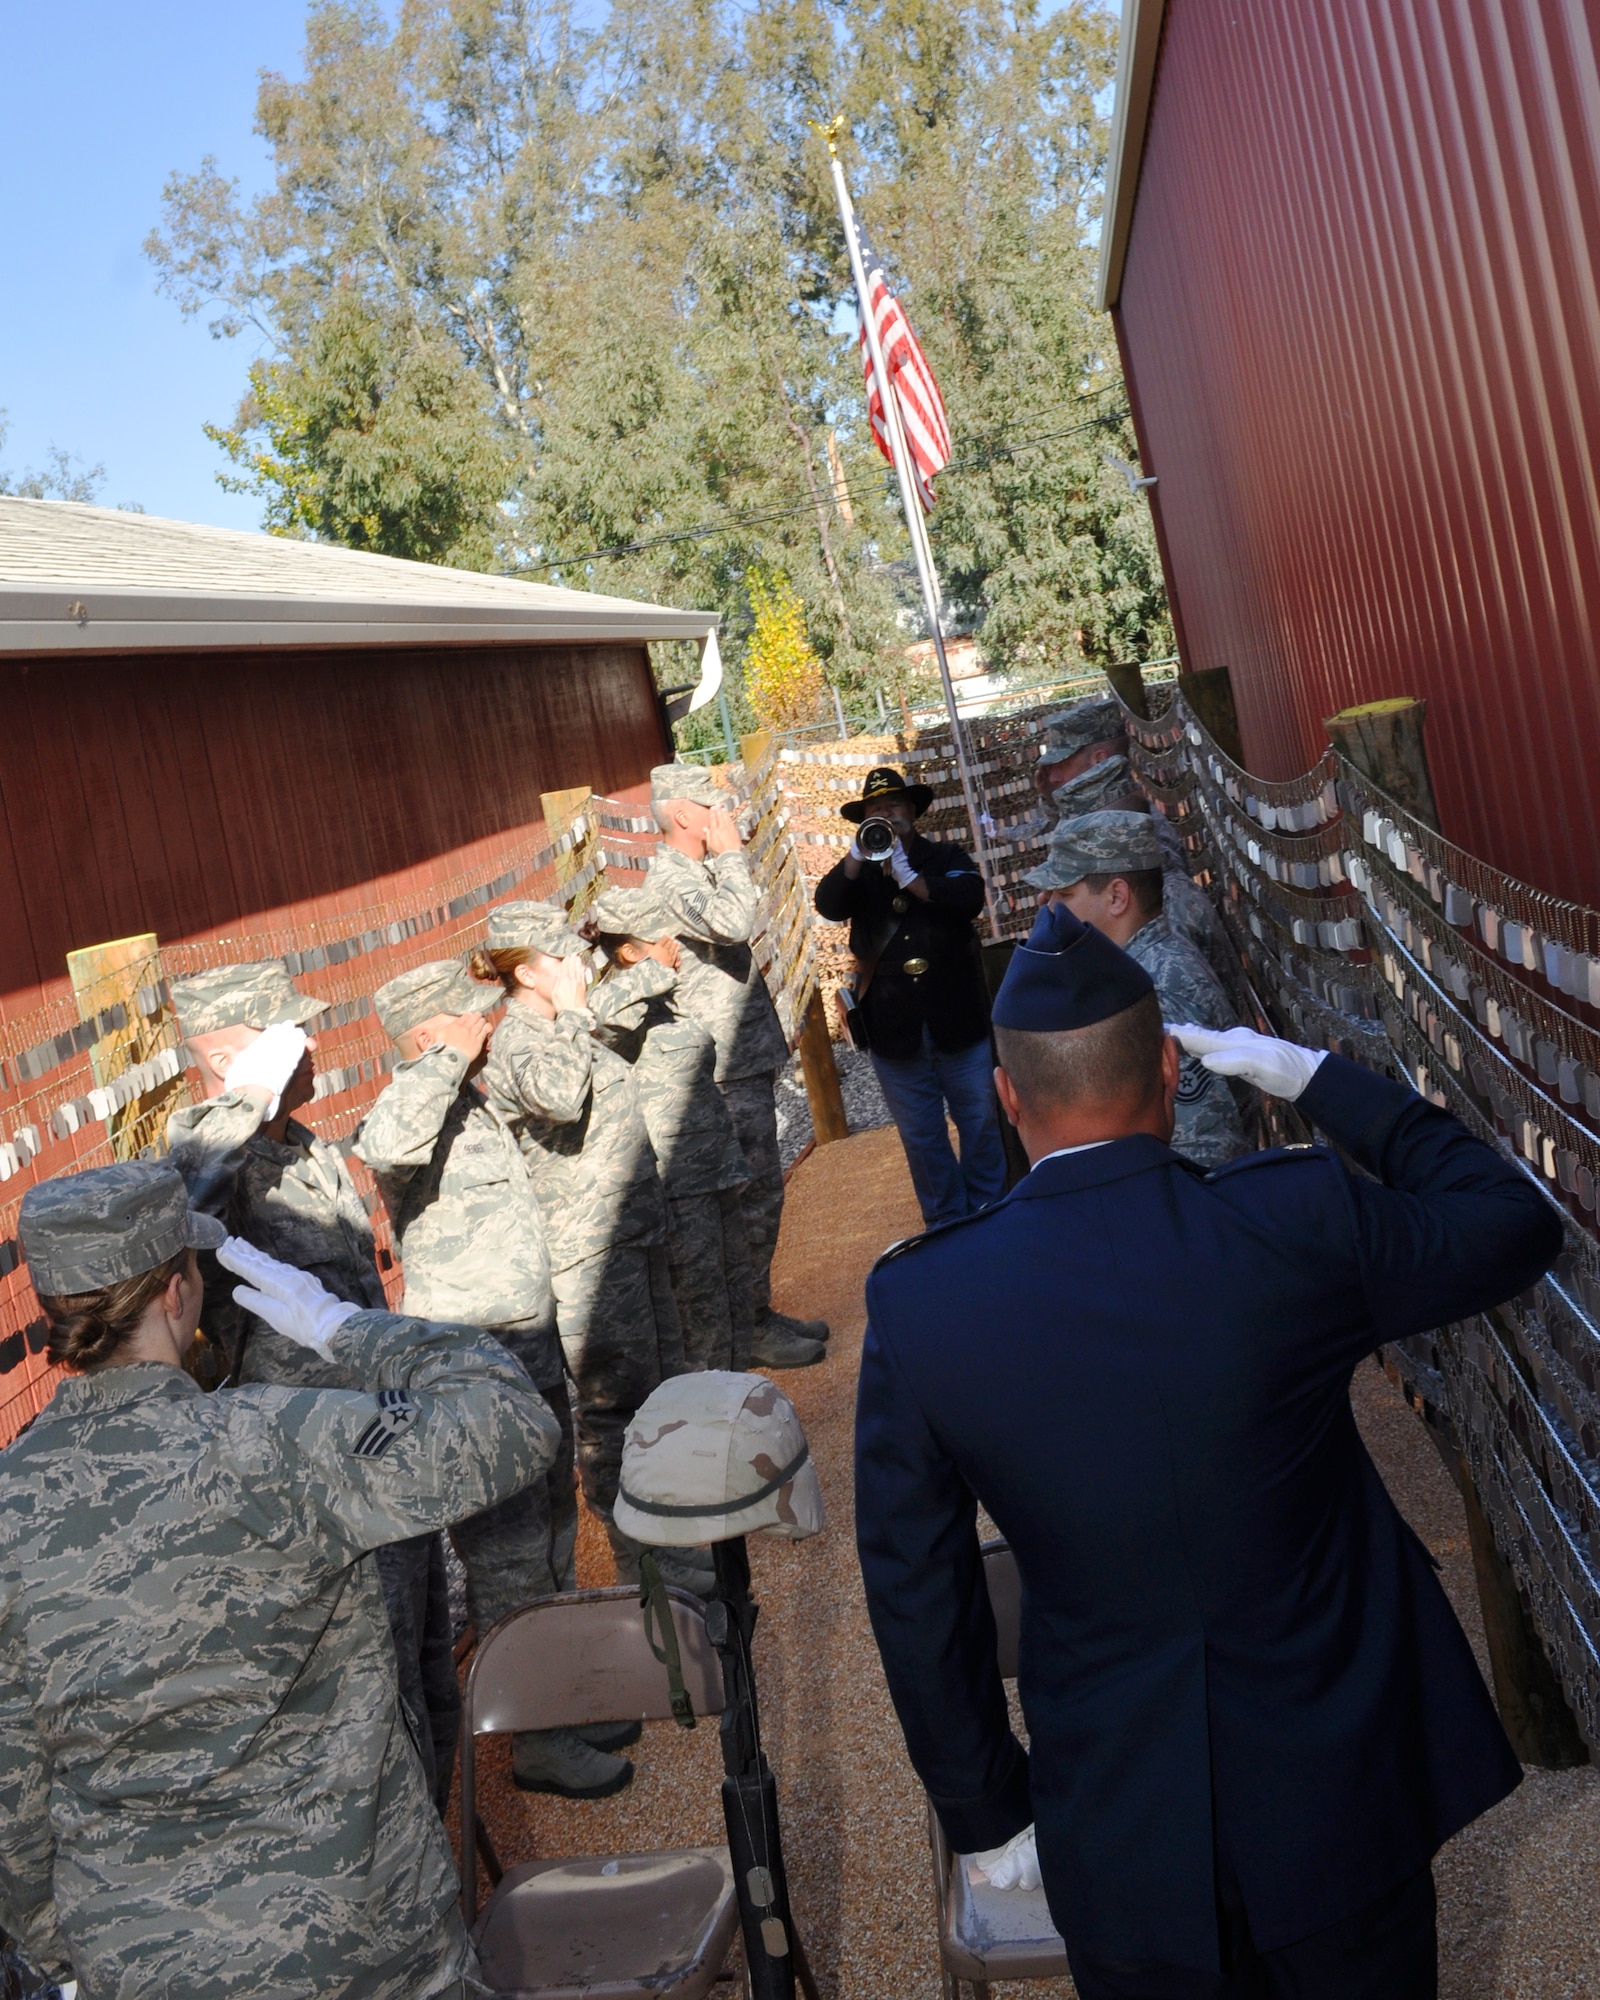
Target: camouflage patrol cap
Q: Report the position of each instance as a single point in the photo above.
(532, 927)
(688, 781)
(81, 1232)
(1097, 843)
(442, 986)
(1080, 728)
(713, 1455)
(258, 995)
(1105, 785)
(633, 913)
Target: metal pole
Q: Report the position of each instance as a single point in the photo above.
(915, 527)
(727, 724)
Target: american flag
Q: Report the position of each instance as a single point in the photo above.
(922, 415)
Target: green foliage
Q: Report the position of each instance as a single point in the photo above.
(377, 439)
(66, 477)
(625, 238)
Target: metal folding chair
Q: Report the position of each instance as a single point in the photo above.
(655, 1926)
(984, 1933)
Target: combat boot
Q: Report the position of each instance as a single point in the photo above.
(560, 1761)
(801, 1329)
(776, 1346)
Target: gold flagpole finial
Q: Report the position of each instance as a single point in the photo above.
(830, 132)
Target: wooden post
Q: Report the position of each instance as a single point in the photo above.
(1127, 681)
(1209, 693)
(1383, 739)
(826, 1099)
(103, 976)
(1532, 1706)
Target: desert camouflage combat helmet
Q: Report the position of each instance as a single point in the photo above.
(442, 986)
(713, 1455)
(82, 1232)
(257, 995)
(688, 781)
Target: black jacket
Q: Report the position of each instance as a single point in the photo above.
(1229, 1635)
(948, 998)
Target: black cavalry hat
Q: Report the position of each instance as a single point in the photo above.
(884, 784)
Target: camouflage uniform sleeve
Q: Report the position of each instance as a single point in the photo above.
(399, 1133)
(453, 1426)
(207, 1143)
(544, 1074)
(723, 914)
(621, 998)
(27, 1845)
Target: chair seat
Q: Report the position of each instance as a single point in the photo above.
(611, 1927)
(998, 1933)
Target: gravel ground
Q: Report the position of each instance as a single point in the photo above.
(863, 1101)
(1516, 1890)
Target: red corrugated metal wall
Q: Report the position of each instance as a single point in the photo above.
(194, 795)
(1361, 313)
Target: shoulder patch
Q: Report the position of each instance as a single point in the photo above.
(397, 1412)
(909, 1243)
(1274, 1156)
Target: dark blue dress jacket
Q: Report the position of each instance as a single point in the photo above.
(1230, 1639)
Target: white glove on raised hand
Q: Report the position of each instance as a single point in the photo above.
(1282, 1069)
(291, 1302)
(269, 1062)
(1014, 1866)
(901, 869)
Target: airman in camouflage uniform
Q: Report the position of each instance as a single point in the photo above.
(573, 1106)
(460, 1194)
(697, 1150)
(280, 1187)
(1100, 847)
(1189, 909)
(713, 903)
(1068, 739)
(207, 1789)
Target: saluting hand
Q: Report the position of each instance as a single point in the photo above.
(570, 986)
(468, 1033)
(291, 1302)
(1281, 1069)
(722, 834)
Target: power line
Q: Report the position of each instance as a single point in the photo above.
(874, 490)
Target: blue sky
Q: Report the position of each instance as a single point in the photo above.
(98, 103)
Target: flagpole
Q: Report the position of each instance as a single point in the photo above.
(911, 501)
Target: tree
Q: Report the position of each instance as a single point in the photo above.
(625, 235)
(58, 481)
(378, 439)
(782, 675)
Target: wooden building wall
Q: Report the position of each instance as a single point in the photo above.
(1360, 317)
(202, 795)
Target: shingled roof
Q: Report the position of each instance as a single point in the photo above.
(96, 580)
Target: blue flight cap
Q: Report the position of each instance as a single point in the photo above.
(1067, 975)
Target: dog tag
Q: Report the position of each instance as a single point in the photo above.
(1567, 1080)
(1489, 925)
(1584, 1186)
(1566, 1170)
(774, 1938)
(1457, 905)
(759, 1883)
(1546, 1057)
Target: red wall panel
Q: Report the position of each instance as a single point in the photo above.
(1360, 314)
(195, 795)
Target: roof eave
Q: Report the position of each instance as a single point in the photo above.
(1137, 50)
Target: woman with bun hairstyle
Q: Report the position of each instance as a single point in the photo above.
(207, 1783)
(572, 1102)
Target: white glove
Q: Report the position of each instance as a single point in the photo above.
(1281, 1069)
(1014, 1866)
(856, 853)
(269, 1062)
(901, 869)
(291, 1302)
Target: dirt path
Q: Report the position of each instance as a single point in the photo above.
(1516, 1891)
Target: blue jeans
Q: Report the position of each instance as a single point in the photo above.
(916, 1092)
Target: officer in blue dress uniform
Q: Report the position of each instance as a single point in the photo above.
(1253, 1716)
